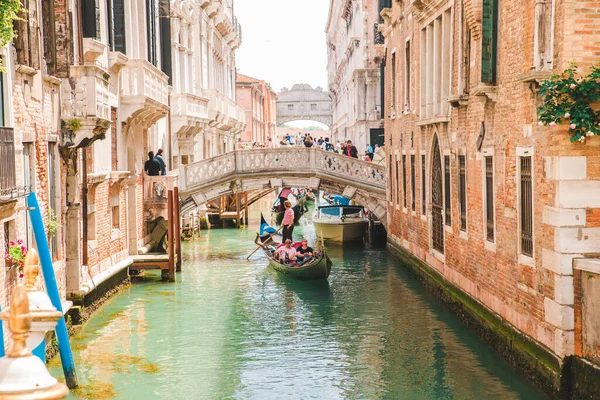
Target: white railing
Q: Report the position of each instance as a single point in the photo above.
(140, 78)
(282, 162)
(91, 92)
(189, 105)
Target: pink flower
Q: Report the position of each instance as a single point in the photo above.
(12, 243)
(540, 123)
(573, 86)
(23, 249)
(552, 123)
(572, 126)
(20, 276)
(567, 115)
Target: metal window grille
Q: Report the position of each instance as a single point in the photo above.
(462, 187)
(526, 207)
(7, 160)
(489, 197)
(423, 188)
(397, 187)
(377, 35)
(447, 197)
(437, 199)
(404, 180)
(413, 193)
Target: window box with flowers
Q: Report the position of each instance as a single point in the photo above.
(570, 99)
(14, 258)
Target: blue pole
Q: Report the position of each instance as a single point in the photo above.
(64, 347)
(1, 338)
(40, 351)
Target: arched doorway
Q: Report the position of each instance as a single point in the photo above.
(437, 198)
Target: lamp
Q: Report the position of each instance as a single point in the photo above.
(22, 375)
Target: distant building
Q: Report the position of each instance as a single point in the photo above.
(257, 99)
(354, 71)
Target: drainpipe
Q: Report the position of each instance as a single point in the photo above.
(84, 208)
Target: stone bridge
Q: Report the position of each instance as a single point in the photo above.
(243, 170)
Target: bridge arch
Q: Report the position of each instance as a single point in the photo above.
(302, 102)
(259, 169)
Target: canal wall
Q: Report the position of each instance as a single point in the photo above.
(570, 377)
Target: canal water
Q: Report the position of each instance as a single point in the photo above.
(234, 329)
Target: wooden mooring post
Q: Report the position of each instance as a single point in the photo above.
(177, 212)
(237, 210)
(171, 238)
(246, 208)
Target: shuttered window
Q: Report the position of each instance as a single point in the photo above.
(413, 193)
(404, 180)
(489, 197)
(462, 188)
(447, 198)
(489, 41)
(397, 191)
(423, 187)
(119, 25)
(165, 39)
(526, 206)
(91, 14)
(151, 31)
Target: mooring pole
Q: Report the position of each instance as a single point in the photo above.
(171, 238)
(64, 347)
(176, 207)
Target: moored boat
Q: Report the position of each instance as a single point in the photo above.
(340, 223)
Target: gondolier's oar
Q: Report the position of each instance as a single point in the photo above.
(265, 242)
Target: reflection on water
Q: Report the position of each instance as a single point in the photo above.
(235, 329)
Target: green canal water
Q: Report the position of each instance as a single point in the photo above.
(234, 329)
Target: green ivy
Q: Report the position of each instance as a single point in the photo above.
(9, 12)
(568, 99)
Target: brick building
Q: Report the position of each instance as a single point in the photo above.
(478, 192)
(257, 98)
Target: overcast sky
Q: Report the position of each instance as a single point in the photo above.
(283, 41)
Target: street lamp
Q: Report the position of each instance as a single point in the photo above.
(22, 375)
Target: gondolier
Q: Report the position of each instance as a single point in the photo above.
(288, 221)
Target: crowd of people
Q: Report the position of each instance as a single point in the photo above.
(341, 147)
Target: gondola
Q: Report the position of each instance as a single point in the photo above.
(318, 267)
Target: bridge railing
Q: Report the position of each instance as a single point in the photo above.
(282, 160)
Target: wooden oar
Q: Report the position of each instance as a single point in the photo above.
(265, 242)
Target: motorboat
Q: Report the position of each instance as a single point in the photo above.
(340, 223)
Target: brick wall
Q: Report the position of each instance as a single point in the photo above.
(535, 294)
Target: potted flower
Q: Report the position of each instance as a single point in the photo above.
(15, 256)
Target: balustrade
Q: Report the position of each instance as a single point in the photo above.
(140, 78)
(91, 92)
(301, 161)
(189, 105)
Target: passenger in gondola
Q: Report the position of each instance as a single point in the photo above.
(286, 254)
(304, 252)
(288, 221)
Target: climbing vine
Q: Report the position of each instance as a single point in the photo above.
(568, 99)
(9, 12)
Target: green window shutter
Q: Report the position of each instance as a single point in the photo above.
(489, 40)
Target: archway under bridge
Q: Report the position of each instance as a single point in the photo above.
(246, 170)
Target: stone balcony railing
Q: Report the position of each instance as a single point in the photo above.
(144, 91)
(91, 92)
(189, 113)
(224, 113)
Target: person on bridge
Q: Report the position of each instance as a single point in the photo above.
(350, 150)
(159, 159)
(370, 151)
(288, 221)
(327, 146)
(152, 167)
(308, 141)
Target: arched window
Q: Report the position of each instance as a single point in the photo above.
(437, 198)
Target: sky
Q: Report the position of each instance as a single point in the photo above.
(283, 41)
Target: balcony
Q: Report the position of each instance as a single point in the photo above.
(224, 113)
(90, 107)
(189, 114)
(144, 92)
